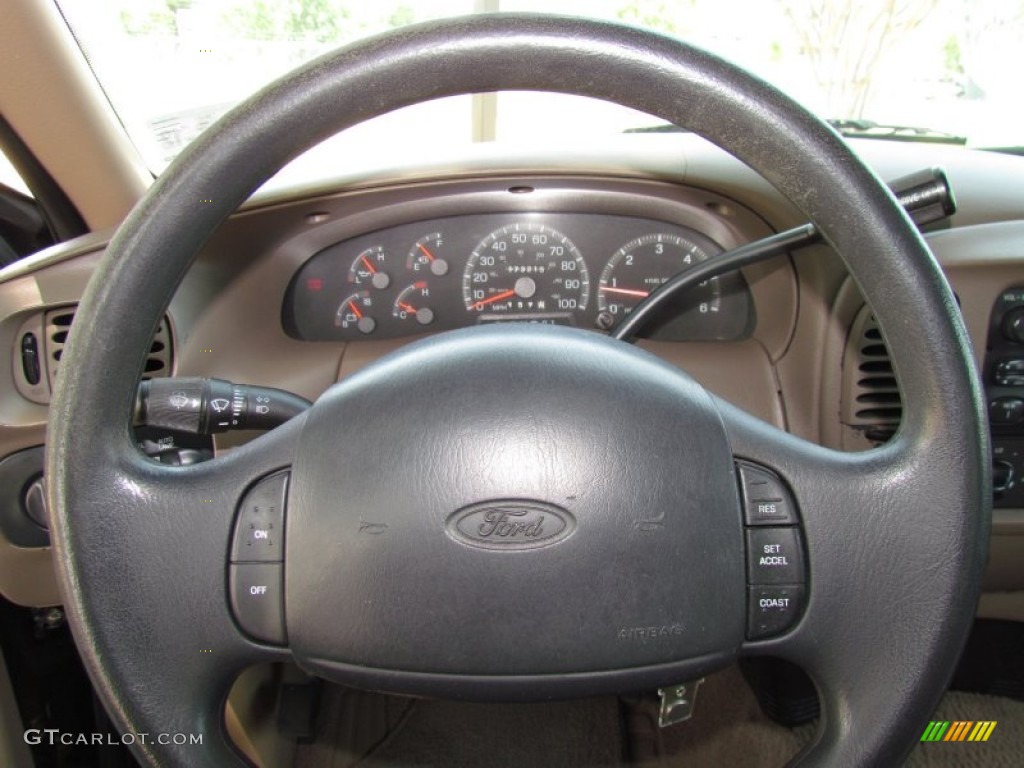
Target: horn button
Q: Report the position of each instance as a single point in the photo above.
(513, 504)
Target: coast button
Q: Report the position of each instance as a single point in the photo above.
(772, 610)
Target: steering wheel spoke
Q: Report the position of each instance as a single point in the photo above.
(873, 558)
(162, 537)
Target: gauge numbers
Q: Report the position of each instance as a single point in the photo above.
(641, 266)
(525, 268)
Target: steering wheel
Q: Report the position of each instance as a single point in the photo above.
(581, 533)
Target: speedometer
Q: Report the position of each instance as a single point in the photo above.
(526, 268)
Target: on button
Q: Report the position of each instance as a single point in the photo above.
(259, 527)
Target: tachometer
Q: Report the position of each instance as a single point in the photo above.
(643, 264)
(526, 268)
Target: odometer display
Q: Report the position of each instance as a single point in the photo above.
(525, 268)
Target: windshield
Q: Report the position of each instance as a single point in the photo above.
(942, 70)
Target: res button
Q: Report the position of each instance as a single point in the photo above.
(766, 500)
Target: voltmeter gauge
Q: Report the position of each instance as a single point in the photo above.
(354, 313)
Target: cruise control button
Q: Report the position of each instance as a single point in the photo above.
(766, 501)
(772, 610)
(257, 600)
(259, 527)
(774, 556)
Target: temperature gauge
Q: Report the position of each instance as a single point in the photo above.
(425, 256)
(411, 304)
(354, 312)
(369, 268)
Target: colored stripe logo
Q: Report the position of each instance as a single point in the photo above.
(958, 730)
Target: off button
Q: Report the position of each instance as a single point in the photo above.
(774, 556)
(257, 600)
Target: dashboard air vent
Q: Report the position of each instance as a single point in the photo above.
(57, 325)
(871, 396)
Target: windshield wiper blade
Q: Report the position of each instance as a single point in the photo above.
(869, 129)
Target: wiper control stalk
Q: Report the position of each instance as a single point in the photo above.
(203, 406)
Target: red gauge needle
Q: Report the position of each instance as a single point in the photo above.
(407, 308)
(627, 292)
(428, 254)
(369, 266)
(496, 297)
(355, 310)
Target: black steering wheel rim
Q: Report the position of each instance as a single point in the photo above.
(923, 497)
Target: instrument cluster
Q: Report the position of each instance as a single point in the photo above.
(584, 270)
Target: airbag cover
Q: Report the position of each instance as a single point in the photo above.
(491, 503)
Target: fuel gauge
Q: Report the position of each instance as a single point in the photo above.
(411, 304)
(426, 256)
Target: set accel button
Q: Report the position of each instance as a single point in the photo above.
(774, 556)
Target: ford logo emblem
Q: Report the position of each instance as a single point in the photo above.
(510, 525)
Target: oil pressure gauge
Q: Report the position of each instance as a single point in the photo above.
(370, 269)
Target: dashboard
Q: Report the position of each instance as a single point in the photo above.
(281, 293)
